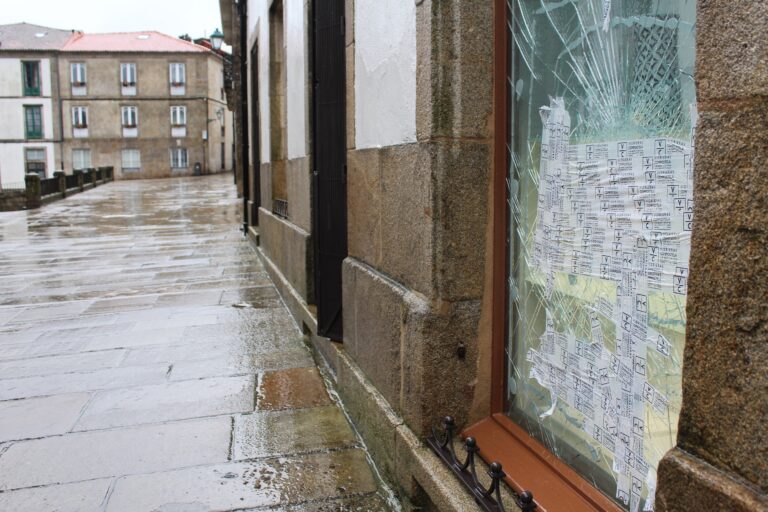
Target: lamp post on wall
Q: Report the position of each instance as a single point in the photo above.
(207, 135)
(217, 38)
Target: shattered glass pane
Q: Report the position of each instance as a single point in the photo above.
(602, 120)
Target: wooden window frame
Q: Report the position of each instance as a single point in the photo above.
(29, 135)
(124, 82)
(27, 161)
(182, 74)
(75, 116)
(527, 463)
(28, 90)
(181, 116)
(129, 108)
(73, 74)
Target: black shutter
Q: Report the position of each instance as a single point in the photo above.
(254, 183)
(329, 163)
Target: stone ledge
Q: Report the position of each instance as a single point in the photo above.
(688, 483)
(403, 459)
(289, 248)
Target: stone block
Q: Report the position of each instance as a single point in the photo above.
(691, 484)
(298, 189)
(731, 54)
(390, 212)
(265, 178)
(372, 415)
(454, 70)
(364, 205)
(726, 352)
(34, 197)
(432, 335)
(407, 216)
(373, 318)
(288, 247)
(462, 173)
(349, 55)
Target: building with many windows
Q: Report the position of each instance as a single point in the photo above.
(147, 104)
(30, 132)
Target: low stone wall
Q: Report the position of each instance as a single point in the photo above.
(12, 200)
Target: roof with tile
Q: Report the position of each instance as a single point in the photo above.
(26, 36)
(148, 41)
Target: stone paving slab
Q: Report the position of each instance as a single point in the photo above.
(168, 401)
(51, 365)
(112, 378)
(246, 485)
(78, 497)
(291, 432)
(291, 389)
(89, 455)
(38, 417)
(148, 363)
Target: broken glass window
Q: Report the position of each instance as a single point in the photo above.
(602, 117)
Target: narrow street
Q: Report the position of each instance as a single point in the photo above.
(148, 364)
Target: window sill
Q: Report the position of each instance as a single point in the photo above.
(530, 466)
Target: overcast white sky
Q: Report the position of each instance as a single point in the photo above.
(197, 18)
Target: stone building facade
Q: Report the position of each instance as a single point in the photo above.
(516, 235)
(154, 105)
(30, 134)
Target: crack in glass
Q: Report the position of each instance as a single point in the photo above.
(600, 186)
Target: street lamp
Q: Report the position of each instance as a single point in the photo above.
(217, 38)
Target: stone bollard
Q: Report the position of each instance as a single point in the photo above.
(80, 179)
(62, 177)
(34, 199)
(92, 172)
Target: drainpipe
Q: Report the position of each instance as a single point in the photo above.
(61, 107)
(242, 6)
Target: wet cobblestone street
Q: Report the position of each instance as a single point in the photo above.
(148, 364)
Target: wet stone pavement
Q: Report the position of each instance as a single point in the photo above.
(147, 364)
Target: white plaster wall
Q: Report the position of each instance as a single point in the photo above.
(12, 161)
(10, 76)
(258, 29)
(295, 23)
(297, 66)
(385, 73)
(12, 117)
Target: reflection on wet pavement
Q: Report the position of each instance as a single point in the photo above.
(148, 363)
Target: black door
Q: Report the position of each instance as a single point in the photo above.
(329, 164)
(255, 177)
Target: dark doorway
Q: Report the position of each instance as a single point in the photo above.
(255, 131)
(329, 162)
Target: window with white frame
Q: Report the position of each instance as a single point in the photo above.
(130, 117)
(128, 74)
(178, 74)
(80, 117)
(81, 159)
(178, 116)
(78, 74)
(131, 159)
(179, 158)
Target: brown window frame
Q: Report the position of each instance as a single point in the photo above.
(527, 463)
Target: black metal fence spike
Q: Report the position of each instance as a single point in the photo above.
(489, 499)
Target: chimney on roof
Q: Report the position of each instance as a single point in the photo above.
(185, 37)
